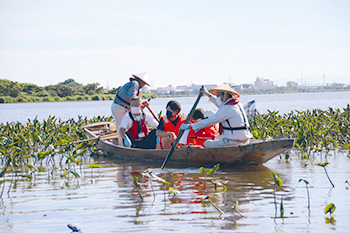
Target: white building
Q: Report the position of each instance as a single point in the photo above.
(264, 83)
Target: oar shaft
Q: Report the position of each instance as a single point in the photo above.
(181, 131)
(104, 137)
(155, 117)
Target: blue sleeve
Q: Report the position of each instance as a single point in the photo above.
(133, 89)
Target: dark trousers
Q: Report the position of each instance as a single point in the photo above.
(149, 142)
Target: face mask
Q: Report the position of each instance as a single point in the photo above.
(135, 110)
(218, 101)
(169, 114)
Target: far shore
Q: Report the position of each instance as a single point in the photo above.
(104, 97)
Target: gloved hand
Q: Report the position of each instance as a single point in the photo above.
(127, 142)
(204, 91)
(185, 126)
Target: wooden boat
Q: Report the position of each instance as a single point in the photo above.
(256, 152)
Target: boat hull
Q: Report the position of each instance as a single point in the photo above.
(257, 152)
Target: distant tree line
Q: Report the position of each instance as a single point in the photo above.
(69, 90)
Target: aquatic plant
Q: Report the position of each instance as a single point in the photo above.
(315, 131)
(235, 208)
(325, 170)
(43, 146)
(330, 208)
(278, 182)
(308, 196)
(207, 172)
(213, 204)
(137, 186)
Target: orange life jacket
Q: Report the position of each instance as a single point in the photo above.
(199, 137)
(170, 127)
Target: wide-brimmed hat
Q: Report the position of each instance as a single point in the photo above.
(225, 88)
(143, 77)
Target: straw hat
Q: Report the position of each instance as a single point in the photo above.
(225, 88)
(143, 77)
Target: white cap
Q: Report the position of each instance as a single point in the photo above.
(143, 77)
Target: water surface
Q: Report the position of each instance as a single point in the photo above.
(284, 103)
(107, 201)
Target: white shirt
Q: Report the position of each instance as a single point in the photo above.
(127, 121)
(233, 114)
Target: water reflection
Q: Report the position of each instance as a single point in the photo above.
(105, 199)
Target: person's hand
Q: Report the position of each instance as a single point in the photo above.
(145, 104)
(172, 137)
(127, 142)
(204, 91)
(185, 126)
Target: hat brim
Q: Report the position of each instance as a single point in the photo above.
(141, 79)
(234, 94)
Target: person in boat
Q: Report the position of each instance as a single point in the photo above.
(169, 125)
(190, 137)
(133, 129)
(121, 104)
(230, 115)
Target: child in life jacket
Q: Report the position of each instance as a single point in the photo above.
(190, 137)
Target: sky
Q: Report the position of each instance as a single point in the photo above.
(176, 42)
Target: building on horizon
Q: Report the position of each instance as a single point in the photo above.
(263, 84)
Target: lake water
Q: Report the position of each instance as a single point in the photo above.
(105, 201)
(283, 103)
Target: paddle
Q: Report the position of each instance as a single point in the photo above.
(149, 109)
(155, 117)
(181, 131)
(104, 137)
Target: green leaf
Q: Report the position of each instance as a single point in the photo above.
(322, 164)
(80, 145)
(75, 174)
(201, 170)
(330, 208)
(135, 182)
(94, 165)
(219, 184)
(30, 166)
(278, 181)
(27, 176)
